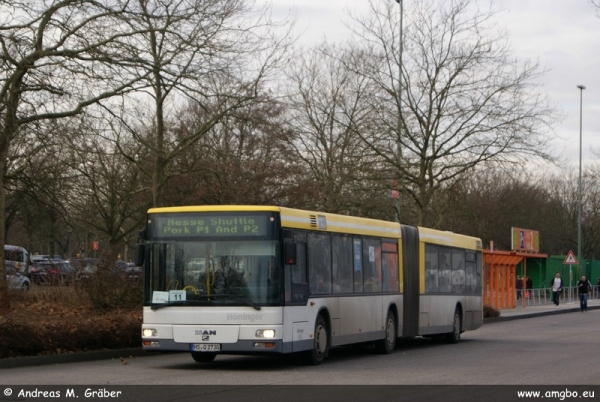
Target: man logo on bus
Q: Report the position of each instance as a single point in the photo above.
(205, 332)
(205, 338)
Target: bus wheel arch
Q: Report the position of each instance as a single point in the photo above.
(388, 343)
(321, 340)
(454, 336)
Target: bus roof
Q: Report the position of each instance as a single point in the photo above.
(322, 221)
(213, 208)
(449, 239)
(302, 219)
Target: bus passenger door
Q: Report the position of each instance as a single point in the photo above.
(296, 297)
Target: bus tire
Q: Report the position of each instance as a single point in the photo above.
(387, 344)
(454, 336)
(316, 355)
(204, 357)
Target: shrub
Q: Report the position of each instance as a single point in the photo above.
(57, 336)
(102, 313)
(490, 312)
(108, 291)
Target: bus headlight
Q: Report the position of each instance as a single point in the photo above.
(265, 333)
(148, 332)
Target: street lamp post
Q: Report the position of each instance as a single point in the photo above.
(581, 88)
(69, 246)
(399, 129)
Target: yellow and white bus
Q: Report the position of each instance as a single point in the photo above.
(274, 280)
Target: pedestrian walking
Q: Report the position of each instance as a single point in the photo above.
(598, 288)
(583, 286)
(556, 285)
(519, 287)
(529, 287)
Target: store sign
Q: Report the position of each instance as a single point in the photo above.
(525, 240)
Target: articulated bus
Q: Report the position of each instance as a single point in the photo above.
(274, 280)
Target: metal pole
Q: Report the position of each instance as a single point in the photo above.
(581, 88)
(399, 130)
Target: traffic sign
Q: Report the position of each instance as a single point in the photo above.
(570, 259)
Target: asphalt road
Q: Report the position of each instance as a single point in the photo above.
(556, 349)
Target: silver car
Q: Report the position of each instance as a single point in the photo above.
(16, 280)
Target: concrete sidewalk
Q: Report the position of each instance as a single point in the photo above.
(545, 309)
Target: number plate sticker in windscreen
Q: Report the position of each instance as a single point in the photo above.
(205, 347)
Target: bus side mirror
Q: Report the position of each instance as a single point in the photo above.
(140, 251)
(289, 256)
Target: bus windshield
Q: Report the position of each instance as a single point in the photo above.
(213, 273)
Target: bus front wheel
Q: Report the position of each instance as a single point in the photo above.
(317, 354)
(204, 357)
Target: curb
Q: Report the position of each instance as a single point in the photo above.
(13, 362)
(535, 314)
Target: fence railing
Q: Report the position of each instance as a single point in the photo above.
(543, 296)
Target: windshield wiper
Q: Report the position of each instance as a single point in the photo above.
(201, 302)
(246, 301)
(177, 303)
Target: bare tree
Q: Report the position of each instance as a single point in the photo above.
(216, 54)
(52, 65)
(464, 99)
(596, 3)
(327, 108)
(244, 159)
(105, 195)
(37, 185)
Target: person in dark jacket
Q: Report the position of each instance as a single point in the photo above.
(529, 286)
(519, 287)
(583, 286)
(556, 285)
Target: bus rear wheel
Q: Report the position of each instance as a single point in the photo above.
(387, 344)
(454, 336)
(317, 354)
(204, 357)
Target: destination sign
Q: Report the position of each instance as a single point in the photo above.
(178, 225)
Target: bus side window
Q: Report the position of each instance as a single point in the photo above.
(299, 269)
(371, 265)
(445, 271)
(458, 271)
(358, 277)
(431, 269)
(319, 263)
(342, 263)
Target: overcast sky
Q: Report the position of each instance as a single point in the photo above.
(564, 35)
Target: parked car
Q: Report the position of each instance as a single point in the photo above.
(128, 270)
(37, 273)
(55, 272)
(87, 272)
(133, 272)
(17, 280)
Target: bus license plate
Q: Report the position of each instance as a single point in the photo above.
(205, 347)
